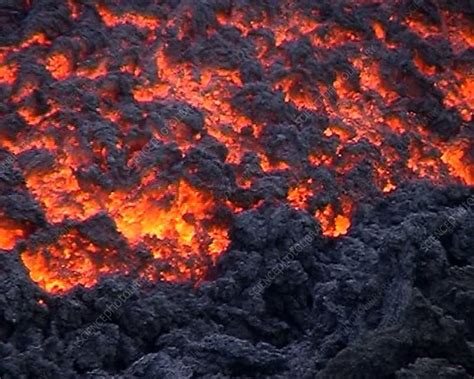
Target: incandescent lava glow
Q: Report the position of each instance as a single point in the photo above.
(125, 131)
(59, 66)
(71, 260)
(10, 232)
(167, 220)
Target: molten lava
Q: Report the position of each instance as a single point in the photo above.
(147, 117)
(10, 232)
(71, 260)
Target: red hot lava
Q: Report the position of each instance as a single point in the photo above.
(145, 117)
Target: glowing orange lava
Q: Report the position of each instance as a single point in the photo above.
(166, 220)
(110, 19)
(10, 233)
(335, 223)
(7, 73)
(59, 66)
(69, 261)
(117, 119)
(455, 157)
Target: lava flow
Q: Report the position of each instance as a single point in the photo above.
(135, 139)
